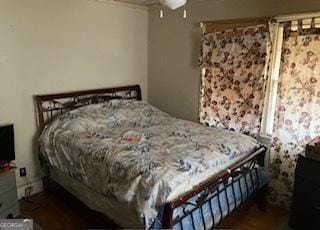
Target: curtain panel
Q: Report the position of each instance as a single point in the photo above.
(233, 82)
(297, 117)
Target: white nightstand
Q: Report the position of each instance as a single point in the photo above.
(9, 205)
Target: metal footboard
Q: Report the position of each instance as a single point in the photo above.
(242, 176)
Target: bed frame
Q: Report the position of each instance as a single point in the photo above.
(50, 106)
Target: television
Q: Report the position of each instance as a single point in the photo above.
(7, 151)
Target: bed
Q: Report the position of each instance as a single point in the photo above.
(125, 158)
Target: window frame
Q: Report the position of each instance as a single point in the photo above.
(276, 30)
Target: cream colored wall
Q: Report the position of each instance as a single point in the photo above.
(173, 77)
(49, 46)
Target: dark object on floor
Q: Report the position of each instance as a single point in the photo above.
(305, 209)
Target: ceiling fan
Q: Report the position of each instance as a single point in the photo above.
(173, 4)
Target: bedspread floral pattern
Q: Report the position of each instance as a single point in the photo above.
(233, 83)
(131, 151)
(297, 118)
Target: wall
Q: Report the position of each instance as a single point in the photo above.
(174, 42)
(49, 46)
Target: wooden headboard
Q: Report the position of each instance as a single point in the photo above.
(51, 105)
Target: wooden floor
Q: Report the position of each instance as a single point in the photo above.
(60, 211)
(253, 218)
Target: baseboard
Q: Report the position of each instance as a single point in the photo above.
(37, 186)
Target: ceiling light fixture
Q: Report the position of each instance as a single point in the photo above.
(173, 4)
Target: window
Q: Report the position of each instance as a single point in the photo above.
(276, 31)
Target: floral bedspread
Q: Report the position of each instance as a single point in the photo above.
(133, 152)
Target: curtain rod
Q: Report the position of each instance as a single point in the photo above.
(290, 17)
(216, 26)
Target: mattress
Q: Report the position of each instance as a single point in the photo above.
(135, 154)
(108, 206)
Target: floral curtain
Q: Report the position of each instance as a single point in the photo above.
(233, 79)
(297, 118)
